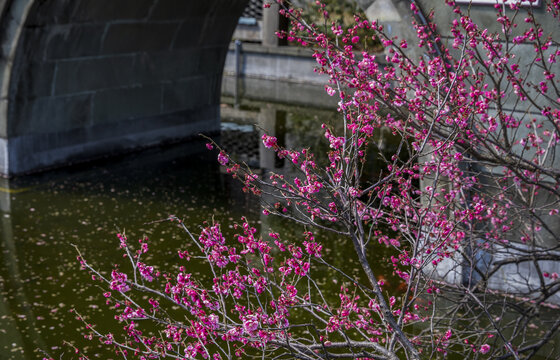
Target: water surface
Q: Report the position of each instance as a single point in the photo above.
(87, 205)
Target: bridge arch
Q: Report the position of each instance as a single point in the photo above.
(81, 78)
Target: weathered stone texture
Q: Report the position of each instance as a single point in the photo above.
(126, 103)
(189, 34)
(51, 114)
(75, 76)
(71, 41)
(37, 80)
(196, 89)
(168, 65)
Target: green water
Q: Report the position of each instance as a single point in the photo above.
(87, 205)
(39, 276)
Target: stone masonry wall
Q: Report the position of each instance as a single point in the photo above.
(96, 76)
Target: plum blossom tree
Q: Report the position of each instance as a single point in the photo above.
(466, 209)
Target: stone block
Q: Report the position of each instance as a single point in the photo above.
(33, 45)
(126, 103)
(212, 60)
(190, 33)
(173, 9)
(168, 65)
(187, 94)
(209, 25)
(74, 76)
(110, 10)
(51, 12)
(215, 33)
(34, 79)
(229, 9)
(71, 41)
(50, 114)
(139, 37)
(215, 85)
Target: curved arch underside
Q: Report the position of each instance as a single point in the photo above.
(82, 78)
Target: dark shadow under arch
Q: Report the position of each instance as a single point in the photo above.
(83, 78)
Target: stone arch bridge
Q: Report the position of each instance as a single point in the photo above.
(81, 78)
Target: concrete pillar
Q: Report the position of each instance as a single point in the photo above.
(273, 122)
(273, 22)
(267, 122)
(5, 196)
